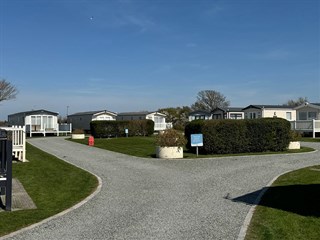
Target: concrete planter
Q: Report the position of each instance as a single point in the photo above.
(294, 145)
(77, 136)
(169, 152)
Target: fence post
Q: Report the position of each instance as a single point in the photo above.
(313, 128)
(24, 143)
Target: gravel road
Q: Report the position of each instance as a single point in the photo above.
(162, 199)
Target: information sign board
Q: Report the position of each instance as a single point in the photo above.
(196, 140)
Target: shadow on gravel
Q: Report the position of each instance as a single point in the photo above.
(300, 199)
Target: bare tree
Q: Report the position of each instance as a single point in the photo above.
(298, 102)
(7, 90)
(209, 100)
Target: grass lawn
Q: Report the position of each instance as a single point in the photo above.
(290, 209)
(53, 185)
(145, 147)
(310, 139)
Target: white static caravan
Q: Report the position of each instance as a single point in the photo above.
(36, 121)
(81, 120)
(158, 118)
(308, 111)
(308, 118)
(269, 111)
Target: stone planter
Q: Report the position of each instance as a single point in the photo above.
(77, 136)
(294, 145)
(169, 152)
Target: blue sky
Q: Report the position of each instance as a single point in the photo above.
(132, 55)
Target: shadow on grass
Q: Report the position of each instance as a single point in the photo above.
(299, 199)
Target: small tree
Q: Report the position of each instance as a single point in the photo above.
(298, 102)
(178, 116)
(7, 90)
(209, 100)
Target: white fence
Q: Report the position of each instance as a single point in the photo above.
(306, 126)
(18, 141)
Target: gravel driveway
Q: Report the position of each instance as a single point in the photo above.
(162, 199)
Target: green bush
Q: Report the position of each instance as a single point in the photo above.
(268, 134)
(239, 136)
(171, 138)
(103, 129)
(224, 136)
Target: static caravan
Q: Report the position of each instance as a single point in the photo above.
(200, 114)
(158, 118)
(36, 121)
(308, 118)
(228, 113)
(81, 120)
(269, 111)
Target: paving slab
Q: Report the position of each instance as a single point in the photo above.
(20, 198)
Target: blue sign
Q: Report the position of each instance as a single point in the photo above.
(196, 140)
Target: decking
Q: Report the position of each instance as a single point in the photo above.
(61, 129)
(306, 126)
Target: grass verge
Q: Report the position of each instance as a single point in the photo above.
(290, 208)
(53, 185)
(145, 147)
(310, 139)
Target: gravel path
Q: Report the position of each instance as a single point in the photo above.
(162, 199)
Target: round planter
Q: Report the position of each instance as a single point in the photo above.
(77, 136)
(169, 152)
(294, 145)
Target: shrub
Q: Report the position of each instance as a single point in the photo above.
(78, 131)
(224, 136)
(103, 129)
(238, 136)
(268, 134)
(171, 138)
(295, 136)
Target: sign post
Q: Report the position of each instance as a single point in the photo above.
(197, 141)
(126, 131)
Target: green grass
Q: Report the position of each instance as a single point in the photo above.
(145, 147)
(53, 185)
(135, 146)
(290, 208)
(310, 139)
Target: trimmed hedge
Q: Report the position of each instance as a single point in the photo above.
(240, 136)
(103, 129)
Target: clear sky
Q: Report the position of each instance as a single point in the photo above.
(132, 55)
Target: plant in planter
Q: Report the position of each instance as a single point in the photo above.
(294, 140)
(170, 144)
(77, 134)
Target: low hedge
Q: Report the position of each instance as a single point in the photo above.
(240, 136)
(103, 129)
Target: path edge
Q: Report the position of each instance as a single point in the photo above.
(246, 223)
